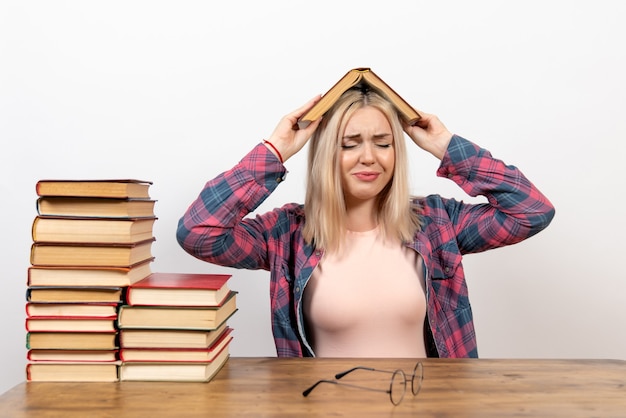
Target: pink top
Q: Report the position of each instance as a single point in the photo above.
(368, 301)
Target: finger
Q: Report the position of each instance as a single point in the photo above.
(304, 108)
(308, 131)
(294, 116)
(411, 128)
(425, 120)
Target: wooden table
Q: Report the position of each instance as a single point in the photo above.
(273, 387)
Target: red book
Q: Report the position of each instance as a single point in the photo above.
(179, 289)
(154, 354)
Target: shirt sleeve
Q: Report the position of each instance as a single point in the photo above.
(213, 228)
(516, 209)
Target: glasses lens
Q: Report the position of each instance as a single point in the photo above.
(398, 387)
(418, 377)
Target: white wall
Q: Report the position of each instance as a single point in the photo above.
(175, 92)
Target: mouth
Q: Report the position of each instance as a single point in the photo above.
(366, 176)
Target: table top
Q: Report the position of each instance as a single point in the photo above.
(273, 387)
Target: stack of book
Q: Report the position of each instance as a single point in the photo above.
(174, 327)
(91, 240)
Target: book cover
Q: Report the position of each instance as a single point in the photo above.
(179, 289)
(70, 324)
(95, 207)
(170, 338)
(59, 310)
(353, 78)
(87, 254)
(87, 275)
(174, 371)
(74, 356)
(72, 372)
(75, 294)
(192, 355)
(177, 317)
(91, 230)
(72, 340)
(120, 188)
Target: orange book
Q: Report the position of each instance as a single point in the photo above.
(74, 294)
(96, 310)
(72, 372)
(72, 340)
(118, 188)
(179, 289)
(94, 207)
(70, 324)
(87, 275)
(75, 356)
(354, 78)
(91, 229)
(81, 254)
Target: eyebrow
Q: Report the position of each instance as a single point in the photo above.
(376, 136)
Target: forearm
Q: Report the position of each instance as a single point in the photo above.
(212, 228)
(516, 209)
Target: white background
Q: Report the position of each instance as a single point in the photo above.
(176, 92)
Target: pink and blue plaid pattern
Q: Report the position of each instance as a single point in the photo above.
(215, 229)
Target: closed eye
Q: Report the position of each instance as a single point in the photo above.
(384, 140)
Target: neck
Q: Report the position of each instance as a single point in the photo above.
(362, 216)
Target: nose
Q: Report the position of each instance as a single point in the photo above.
(367, 153)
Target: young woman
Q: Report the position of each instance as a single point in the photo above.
(363, 269)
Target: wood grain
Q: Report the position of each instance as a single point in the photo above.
(273, 387)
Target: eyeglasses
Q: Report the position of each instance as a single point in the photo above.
(397, 385)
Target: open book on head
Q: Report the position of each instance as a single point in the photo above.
(354, 78)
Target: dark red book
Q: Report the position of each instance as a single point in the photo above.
(160, 354)
(179, 289)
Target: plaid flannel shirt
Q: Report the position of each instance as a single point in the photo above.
(215, 229)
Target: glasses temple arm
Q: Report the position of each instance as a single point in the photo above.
(342, 374)
(310, 389)
(335, 382)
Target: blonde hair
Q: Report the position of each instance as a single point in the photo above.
(325, 207)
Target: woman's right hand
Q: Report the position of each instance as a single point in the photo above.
(429, 134)
(287, 138)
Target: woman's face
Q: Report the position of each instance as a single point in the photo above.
(367, 155)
